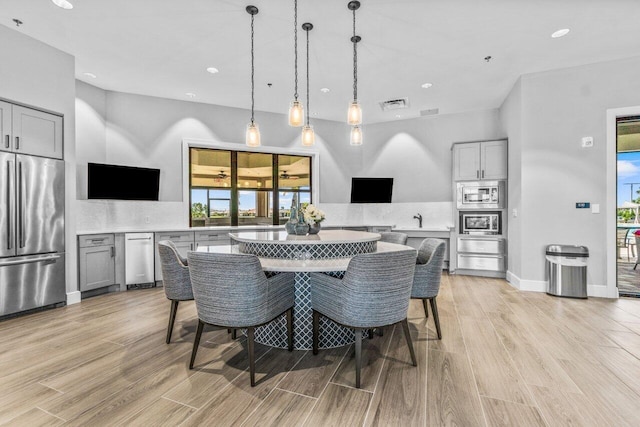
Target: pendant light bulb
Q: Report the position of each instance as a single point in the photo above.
(308, 136)
(296, 114)
(356, 135)
(354, 116)
(253, 135)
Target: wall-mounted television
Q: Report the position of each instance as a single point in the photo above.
(122, 182)
(371, 190)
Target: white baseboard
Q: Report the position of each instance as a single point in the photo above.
(598, 291)
(73, 297)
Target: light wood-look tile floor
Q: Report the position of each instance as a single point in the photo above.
(506, 358)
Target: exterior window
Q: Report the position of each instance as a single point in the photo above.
(245, 188)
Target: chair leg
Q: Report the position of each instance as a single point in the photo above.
(381, 331)
(370, 333)
(316, 323)
(424, 304)
(290, 328)
(252, 358)
(634, 267)
(234, 334)
(358, 332)
(172, 318)
(196, 343)
(407, 335)
(434, 309)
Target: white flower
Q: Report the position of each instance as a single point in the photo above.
(312, 214)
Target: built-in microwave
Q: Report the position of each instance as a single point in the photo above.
(486, 223)
(481, 195)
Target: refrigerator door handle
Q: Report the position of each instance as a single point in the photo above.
(21, 206)
(10, 222)
(29, 260)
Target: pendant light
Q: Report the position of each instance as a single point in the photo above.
(253, 133)
(354, 116)
(296, 111)
(308, 136)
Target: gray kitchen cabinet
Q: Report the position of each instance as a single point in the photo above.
(28, 131)
(212, 238)
(184, 241)
(474, 161)
(96, 261)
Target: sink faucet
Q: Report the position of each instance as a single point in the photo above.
(419, 218)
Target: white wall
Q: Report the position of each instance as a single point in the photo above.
(38, 75)
(558, 109)
(146, 131)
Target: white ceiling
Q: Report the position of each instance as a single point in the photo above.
(162, 48)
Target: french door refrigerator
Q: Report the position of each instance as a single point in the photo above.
(32, 258)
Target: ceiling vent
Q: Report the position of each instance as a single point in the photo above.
(394, 104)
(430, 112)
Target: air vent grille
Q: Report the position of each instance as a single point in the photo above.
(394, 104)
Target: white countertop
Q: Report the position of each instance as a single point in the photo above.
(303, 265)
(323, 237)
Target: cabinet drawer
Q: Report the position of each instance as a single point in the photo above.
(481, 262)
(95, 240)
(175, 237)
(211, 235)
(481, 246)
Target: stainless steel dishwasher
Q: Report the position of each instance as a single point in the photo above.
(138, 249)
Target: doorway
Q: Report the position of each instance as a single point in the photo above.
(628, 205)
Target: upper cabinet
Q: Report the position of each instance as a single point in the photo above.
(473, 161)
(28, 131)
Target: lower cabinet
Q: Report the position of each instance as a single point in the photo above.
(96, 261)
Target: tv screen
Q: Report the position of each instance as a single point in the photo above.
(371, 190)
(122, 182)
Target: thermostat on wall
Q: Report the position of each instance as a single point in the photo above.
(587, 142)
(583, 205)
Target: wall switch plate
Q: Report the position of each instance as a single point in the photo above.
(514, 212)
(587, 142)
(595, 208)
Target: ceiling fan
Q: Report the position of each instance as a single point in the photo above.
(285, 175)
(222, 175)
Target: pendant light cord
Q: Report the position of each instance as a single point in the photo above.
(355, 59)
(295, 46)
(307, 77)
(252, 73)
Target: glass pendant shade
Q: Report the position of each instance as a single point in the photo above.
(308, 136)
(355, 114)
(296, 114)
(356, 135)
(253, 135)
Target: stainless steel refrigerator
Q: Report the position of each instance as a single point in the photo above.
(32, 258)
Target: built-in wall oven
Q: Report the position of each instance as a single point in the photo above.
(481, 222)
(481, 195)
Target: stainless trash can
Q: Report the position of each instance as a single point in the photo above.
(567, 270)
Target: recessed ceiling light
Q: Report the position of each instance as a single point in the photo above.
(325, 90)
(560, 33)
(63, 4)
(93, 76)
(190, 94)
(212, 70)
(427, 85)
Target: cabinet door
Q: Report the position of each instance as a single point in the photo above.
(466, 162)
(97, 267)
(5, 126)
(494, 159)
(36, 133)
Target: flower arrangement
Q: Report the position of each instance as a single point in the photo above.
(312, 214)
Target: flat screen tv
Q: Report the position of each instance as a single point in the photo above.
(371, 190)
(122, 182)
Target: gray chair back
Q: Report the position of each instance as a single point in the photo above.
(175, 273)
(426, 281)
(229, 289)
(394, 237)
(377, 289)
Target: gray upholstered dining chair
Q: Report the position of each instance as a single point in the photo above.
(374, 292)
(428, 273)
(232, 291)
(394, 237)
(175, 279)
